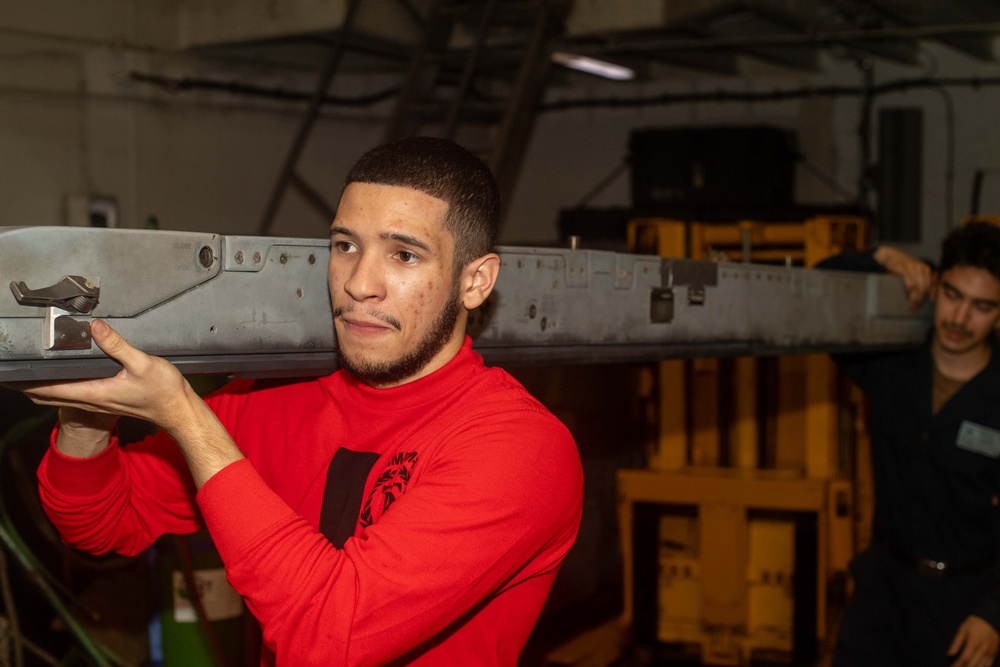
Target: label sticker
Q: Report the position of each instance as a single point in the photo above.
(979, 439)
(217, 596)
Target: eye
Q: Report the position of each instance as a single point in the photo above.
(985, 307)
(344, 246)
(406, 257)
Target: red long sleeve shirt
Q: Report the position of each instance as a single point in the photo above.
(421, 524)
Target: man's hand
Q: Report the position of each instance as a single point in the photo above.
(916, 274)
(976, 644)
(147, 388)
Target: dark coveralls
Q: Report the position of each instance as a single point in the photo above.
(934, 499)
(936, 529)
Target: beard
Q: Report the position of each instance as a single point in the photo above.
(384, 373)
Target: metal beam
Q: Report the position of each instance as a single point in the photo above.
(822, 38)
(937, 15)
(259, 305)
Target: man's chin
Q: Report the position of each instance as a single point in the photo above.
(958, 345)
(355, 361)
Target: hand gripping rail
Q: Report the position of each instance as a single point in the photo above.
(259, 306)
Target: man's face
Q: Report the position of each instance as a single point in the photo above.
(395, 301)
(966, 309)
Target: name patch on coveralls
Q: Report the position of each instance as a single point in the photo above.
(979, 439)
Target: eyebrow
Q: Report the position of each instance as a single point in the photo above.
(985, 302)
(405, 239)
(399, 237)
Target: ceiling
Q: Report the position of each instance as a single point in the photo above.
(701, 36)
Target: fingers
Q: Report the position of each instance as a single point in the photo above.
(147, 387)
(54, 393)
(918, 283)
(978, 643)
(956, 643)
(116, 347)
(916, 274)
(917, 278)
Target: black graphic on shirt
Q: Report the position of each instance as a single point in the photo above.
(345, 488)
(389, 486)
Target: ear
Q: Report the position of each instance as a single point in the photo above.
(477, 281)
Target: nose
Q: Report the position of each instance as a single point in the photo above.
(962, 314)
(366, 279)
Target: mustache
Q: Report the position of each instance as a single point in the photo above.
(374, 314)
(955, 328)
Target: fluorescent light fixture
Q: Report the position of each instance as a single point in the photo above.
(594, 66)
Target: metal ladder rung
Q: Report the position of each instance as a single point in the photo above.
(492, 72)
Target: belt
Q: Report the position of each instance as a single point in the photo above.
(928, 567)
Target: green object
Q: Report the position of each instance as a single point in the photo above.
(152, 222)
(186, 640)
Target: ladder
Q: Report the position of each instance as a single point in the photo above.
(477, 77)
(289, 175)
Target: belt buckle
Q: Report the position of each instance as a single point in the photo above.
(932, 568)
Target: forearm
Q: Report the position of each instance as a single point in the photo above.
(83, 434)
(120, 499)
(859, 261)
(204, 441)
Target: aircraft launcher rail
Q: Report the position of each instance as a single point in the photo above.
(259, 306)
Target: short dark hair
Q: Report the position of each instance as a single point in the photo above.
(445, 170)
(976, 244)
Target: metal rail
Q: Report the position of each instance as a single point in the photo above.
(260, 306)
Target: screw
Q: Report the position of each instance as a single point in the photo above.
(298, 293)
(312, 259)
(239, 257)
(206, 257)
(283, 259)
(256, 258)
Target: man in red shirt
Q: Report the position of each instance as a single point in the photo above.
(412, 508)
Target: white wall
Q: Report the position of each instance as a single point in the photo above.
(72, 122)
(573, 150)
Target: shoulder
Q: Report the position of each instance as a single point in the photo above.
(505, 442)
(991, 377)
(494, 391)
(496, 412)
